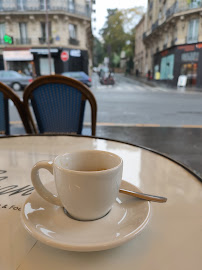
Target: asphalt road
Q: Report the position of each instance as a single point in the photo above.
(130, 102)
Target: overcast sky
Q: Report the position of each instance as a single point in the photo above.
(101, 7)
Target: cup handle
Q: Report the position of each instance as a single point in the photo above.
(39, 187)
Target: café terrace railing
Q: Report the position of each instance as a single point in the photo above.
(39, 5)
(178, 7)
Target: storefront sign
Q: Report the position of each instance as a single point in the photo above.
(164, 53)
(75, 53)
(21, 55)
(64, 56)
(186, 48)
(190, 57)
(182, 81)
(199, 46)
(43, 51)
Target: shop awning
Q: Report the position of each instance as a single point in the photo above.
(21, 55)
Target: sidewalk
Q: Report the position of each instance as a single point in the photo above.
(162, 85)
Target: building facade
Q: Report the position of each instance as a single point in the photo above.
(27, 37)
(139, 55)
(173, 40)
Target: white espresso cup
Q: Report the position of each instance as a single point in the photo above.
(87, 182)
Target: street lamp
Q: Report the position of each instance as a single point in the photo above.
(47, 36)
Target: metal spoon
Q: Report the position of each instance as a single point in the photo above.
(143, 196)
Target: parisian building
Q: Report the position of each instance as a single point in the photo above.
(42, 36)
(172, 40)
(139, 55)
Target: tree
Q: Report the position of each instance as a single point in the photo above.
(118, 33)
(98, 52)
(113, 33)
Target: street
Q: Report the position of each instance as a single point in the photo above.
(130, 102)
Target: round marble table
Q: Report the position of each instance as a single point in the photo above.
(172, 239)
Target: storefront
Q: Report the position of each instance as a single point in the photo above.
(20, 60)
(180, 60)
(77, 60)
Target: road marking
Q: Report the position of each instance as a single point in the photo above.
(123, 125)
(15, 122)
(126, 125)
(191, 126)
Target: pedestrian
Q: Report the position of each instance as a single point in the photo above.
(149, 75)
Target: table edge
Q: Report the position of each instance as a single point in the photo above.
(186, 167)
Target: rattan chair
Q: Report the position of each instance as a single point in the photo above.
(7, 93)
(58, 104)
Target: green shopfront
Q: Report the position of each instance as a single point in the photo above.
(179, 60)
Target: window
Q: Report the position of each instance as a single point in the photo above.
(2, 32)
(88, 9)
(23, 33)
(43, 32)
(166, 68)
(194, 3)
(42, 4)
(193, 31)
(20, 4)
(44, 66)
(71, 5)
(72, 31)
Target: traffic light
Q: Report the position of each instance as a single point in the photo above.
(8, 39)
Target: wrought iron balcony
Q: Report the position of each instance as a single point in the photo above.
(42, 40)
(155, 25)
(73, 41)
(191, 39)
(144, 35)
(173, 41)
(38, 6)
(180, 6)
(20, 41)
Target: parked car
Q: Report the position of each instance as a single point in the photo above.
(14, 79)
(80, 76)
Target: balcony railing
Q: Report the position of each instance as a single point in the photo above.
(190, 39)
(180, 6)
(37, 5)
(73, 41)
(155, 25)
(42, 40)
(171, 10)
(173, 41)
(19, 41)
(177, 7)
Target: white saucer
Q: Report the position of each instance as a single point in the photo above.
(48, 223)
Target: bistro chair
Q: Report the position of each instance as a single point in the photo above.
(58, 104)
(6, 94)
